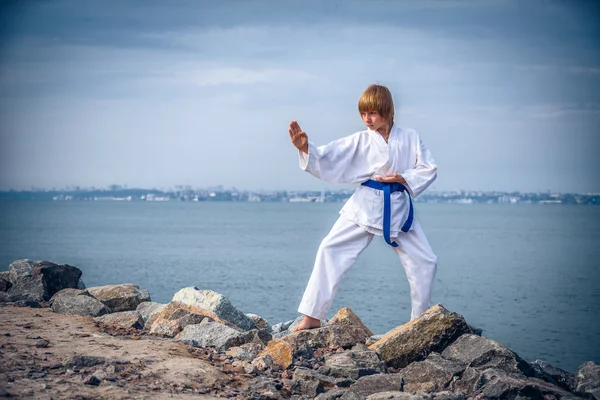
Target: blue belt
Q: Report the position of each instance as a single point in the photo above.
(388, 189)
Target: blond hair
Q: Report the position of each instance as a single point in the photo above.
(377, 98)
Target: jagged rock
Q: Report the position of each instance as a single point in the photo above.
(212, 334)
(309, 388)
(239, 353)
(280, 351)
(497, 384)
(432, 331)
(282, 326)
(430, 375)
(124, 297)
(332, 394)
(479, 352)
(81, 285)
(259, 321)
(128, 319)
(352, 364)
(82, 361)
(39, 280)
(587, 380)
(172, 319)
(554, 375)
(447, 395)
(77, 302)
(215, 303)
(4, 283)
(148, 309)
(263, 363)
(344, 336)
(326, 381)
(395, 395)
(346, 316)
(368, 385)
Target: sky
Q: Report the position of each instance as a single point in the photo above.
(153, 94)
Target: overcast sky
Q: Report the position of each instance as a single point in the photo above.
(506, 94)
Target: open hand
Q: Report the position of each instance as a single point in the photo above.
(299, 138)
(390, 178)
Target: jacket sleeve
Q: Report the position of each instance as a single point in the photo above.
(332, 162)
(424, 172)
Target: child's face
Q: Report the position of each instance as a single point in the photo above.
(373, 120)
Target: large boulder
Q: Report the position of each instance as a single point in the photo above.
(552, 374)
(127, 319)
(344, 336)
(280, 351)
(259, 321)
(430, 375)
(77, 302)
(432, 331)
(216, 304)
(174, 317)
(352, 364)
(124, 297)
(213, 334)
(148, 308)
(39, 280)
(587, 380)
(480, 352)
(368, 385)
(346, 316)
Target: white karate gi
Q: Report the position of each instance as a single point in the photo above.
(356, 159)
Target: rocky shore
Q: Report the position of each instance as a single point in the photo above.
(59, 339)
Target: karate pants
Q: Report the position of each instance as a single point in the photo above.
(340, 249)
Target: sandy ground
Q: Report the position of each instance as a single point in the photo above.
(36, 345)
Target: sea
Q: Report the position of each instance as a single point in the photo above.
(528, 275)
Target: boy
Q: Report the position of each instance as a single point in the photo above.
(391, 164)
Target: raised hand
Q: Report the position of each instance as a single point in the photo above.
(391, 178)
(298, 137)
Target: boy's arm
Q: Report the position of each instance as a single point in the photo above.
(423, 174)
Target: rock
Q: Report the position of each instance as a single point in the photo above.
(82, 361)
(332, 394)
(430, 375)
(394, 395)
(326, 381)
(479, 352)
(148, 309)
(215, 303)
(263, 363)
(344, 336)
(447, 395)
(310, 388)
(39, 280)
(128, 319)
(280, 351)
(165, 327)
(371, 384)
(81, 285)
(259, 321)
(92, 380)
(211, 334)
(77, 302)
(551, 374)
(262, 384)
(174, 317)
(352, 364)
(497, 384)
(587, 380)
(282, 326)
(435, 329)
(125, 297)
(346, 316)
(4, 284)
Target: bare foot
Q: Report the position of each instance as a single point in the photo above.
(307, 323)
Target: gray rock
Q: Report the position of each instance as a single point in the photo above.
(479, 352)
(435, 329)
(259, 321)
(212, 334)
(125, 297)
(332, 394)
(282, 326)
(352, 364)
(127, 319)
(326, 381)
(39, 281)
(431, 375)
(447, 395)
(587, 380)
(394, 395)
(310, 388)
(81, 285)
(215, 303)
(260, 384)
(368, 385)
(77, 302)
(149, 308)
(344, 336)
(554, 375)
(82, 361)
(4, 282)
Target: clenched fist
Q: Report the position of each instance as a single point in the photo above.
(299, 138)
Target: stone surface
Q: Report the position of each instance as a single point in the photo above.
(40, 280)
(310, 388)
(344, 336)
(282, 326)
(215, 303)
(212, 334)
(128, 319)
(259, 321)
(346, 316)
(330, 395)
(326, 381)
(165, 327)
(174, 317)
(431, 375)
(280, 351)
(587, 380)
(480, 352)
(124, 297)
(432, 331)
(77, 302)
(371, 384)
(555, 375)
(352, 364)
(496, 384)
(4, 283)
(394, 395)
(149, 308)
